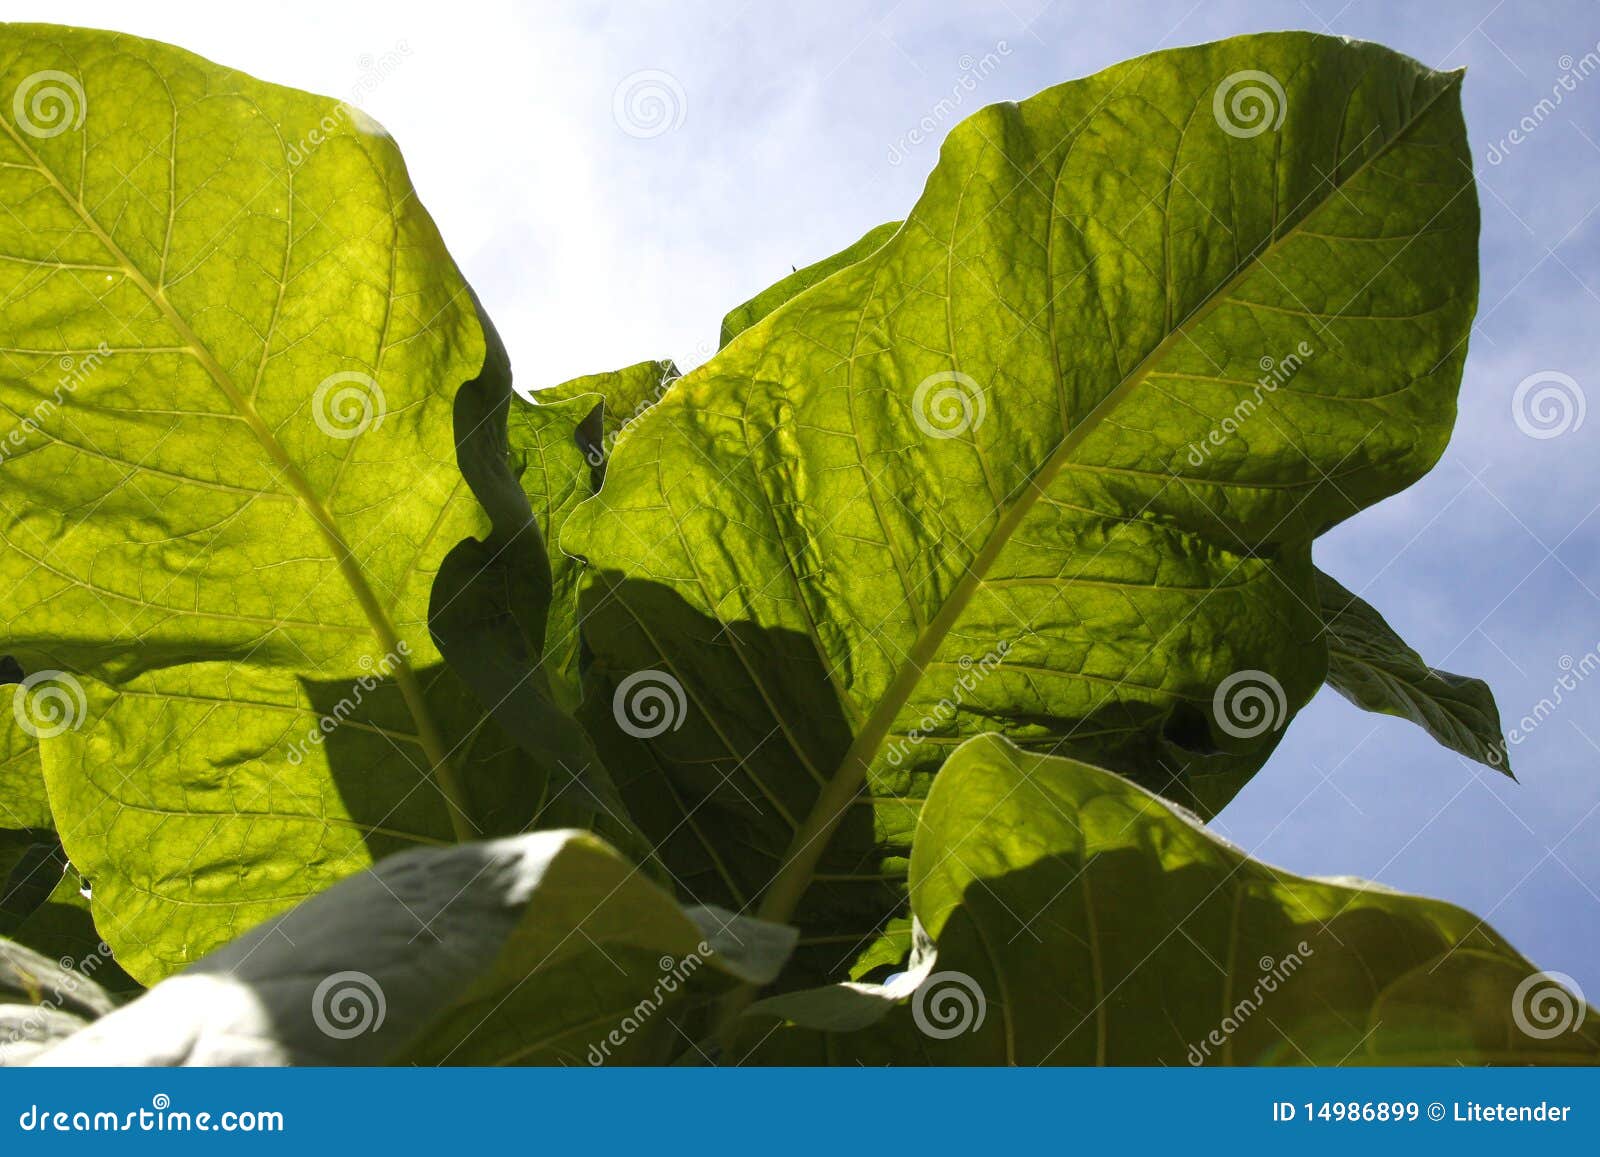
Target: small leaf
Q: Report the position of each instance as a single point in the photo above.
(742, 317)
(1079, 919)
(627, 392)
(1370, 665)
(546, 948)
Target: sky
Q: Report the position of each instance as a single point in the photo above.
(600, 231)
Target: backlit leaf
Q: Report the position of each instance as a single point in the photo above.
(232, 343)
(1048, 461)
(1078, 919)
(1370, 665)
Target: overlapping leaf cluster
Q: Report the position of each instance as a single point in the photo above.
(901, 637)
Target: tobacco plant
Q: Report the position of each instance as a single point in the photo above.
(860, 695)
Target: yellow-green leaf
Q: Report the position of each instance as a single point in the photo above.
(232, 343)
(1077, 919)
(1048, 461)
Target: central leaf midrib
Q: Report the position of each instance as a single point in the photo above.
(383, 629)
(799, 862)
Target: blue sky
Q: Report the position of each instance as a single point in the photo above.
(593, 247)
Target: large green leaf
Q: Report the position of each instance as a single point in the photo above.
(232, 342)
(970, 483)
(1078, 919)
(539, 949)
(1370, 665)
(1368, 662)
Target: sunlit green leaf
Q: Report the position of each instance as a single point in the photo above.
(233, 343)
(1048, 461)
(1077, 919)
